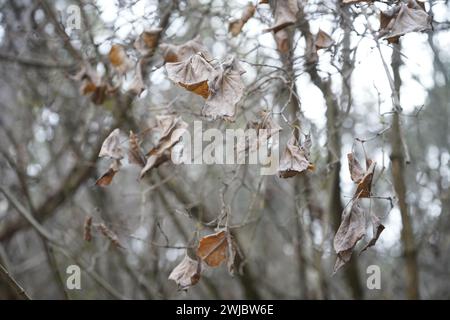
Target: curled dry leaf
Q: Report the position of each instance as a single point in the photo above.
(282, 41)
(351, 230)
(109, 234)
(119, 59)
(111, 146)
(107, 177)
(192, 74)
(178, 53)
(285, 15)
(137, 86)
(323, 40)
(147, 41)
(362, 178)
(87, 235)
(226, 89)
(135, 154)
(217, 248)
(187, 273)
(171, 128)
(235, 26)
(377, 229)
(265, 128)
(92, 85)
(295, 158)
(402, 19)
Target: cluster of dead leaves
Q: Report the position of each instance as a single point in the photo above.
(353, 224)
(170, 129)
(220, 84)
(98, 88)
(401, 19)
(213, 250)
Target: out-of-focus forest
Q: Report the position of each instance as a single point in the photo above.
(92, 91)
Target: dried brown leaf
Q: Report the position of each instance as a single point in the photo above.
(87, 229)
(187, 273)
(403, 19)
(282, 41)
(351, 230)
(135, 154)
(107, 177)
(285, 15)
(323, 40)
(192, 74)
(109, 234)
(111, 147)
(235, 26)
(171, 128)
(147, 41)
(217, 248)
(226, 89)
(295, 158)
(119, 59)
(377, 229)
(177, 53)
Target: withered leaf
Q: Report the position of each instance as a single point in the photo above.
(187, 273)
(192, 74)
(91, 84)
(377, 229)
(217, 248)
(323, 40)
(351, 230)
(119, 59)
(365, 185)
(362, 178)
(295, 158)
(265, 127)
(226, 89)
(403, 19)
(87, 235)
(282, 41)
(171, 128)
(111, 146)
(135, 154)
(110, 235)
(107, 177)
(285, 15)
(178, 53)
(235, 26)
(147, 41)
(137, 86)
